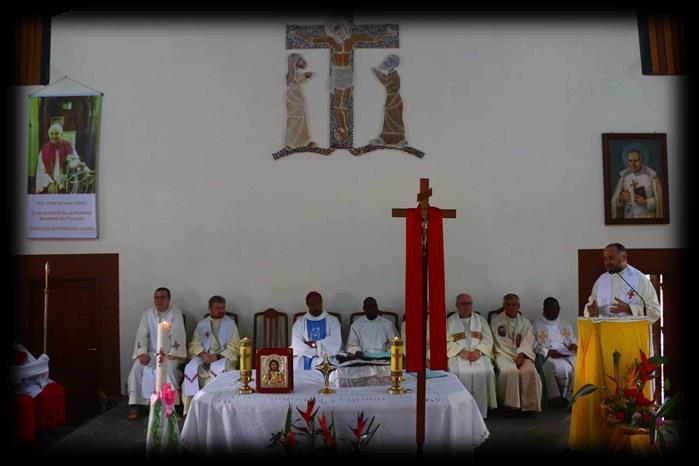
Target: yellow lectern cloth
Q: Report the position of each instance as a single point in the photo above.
(597, 342)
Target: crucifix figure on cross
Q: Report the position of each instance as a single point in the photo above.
(342, 37)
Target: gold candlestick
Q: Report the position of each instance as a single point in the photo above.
(326, 368)
(245, 367)
(396, 367)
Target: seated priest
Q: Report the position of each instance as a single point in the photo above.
(518, 382)
(315, 333)
(141, 382)
(555, 339)
(469, 349)
(371, 333)
(214, 349)
(39, 402)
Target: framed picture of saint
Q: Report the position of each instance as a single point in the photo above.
(274, 367)
(635, 178)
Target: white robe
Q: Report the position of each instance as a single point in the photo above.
(370, 336)
(646, 178)
(518, 388)
(331, 344)
(32, 375)
(559, 373)
(141, 381)
(610, 286)
(212, 336)
(478, 377)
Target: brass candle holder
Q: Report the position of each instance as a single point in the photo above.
(397, 367)
(326, 368)
(245, 367)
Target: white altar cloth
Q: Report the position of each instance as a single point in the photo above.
(221, 421)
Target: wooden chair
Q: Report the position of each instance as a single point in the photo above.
(393, 315)
(270, 329)
(229, 314)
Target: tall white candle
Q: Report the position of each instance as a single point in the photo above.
(161, 362)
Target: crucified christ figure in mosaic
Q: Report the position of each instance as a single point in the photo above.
(342, 38)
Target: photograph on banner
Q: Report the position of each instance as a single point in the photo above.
(63, 146)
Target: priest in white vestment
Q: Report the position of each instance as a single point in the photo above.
(142, 376)
(315, 333)
(470, 349)
(518, 383)
(638, 193)
(623, 290)
(556, 340)
(214, 349)
(371, 333)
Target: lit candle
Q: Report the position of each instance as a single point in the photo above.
(245, 355)
(397, 355)
(161, 364)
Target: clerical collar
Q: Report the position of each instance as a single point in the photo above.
(550, 322)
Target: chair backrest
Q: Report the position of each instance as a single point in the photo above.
(335, 314)
(270, 329)
(229, 314)
(388, 314)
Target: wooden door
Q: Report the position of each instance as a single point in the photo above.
(83, 324)
(669, 265)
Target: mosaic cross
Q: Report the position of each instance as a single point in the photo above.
(342, 38)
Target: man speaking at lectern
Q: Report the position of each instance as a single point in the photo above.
(623, 290)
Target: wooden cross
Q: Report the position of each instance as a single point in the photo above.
(382, 36)
(424, 201)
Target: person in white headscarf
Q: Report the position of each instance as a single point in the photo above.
(297, 132)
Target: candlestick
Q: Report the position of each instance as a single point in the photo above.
(161, 365)
(46, 304)
(245, 366)
(396, 367)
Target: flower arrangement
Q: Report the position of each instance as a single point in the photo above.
(163, 431)
(627, 408)
(307, 437)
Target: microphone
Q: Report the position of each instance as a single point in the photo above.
(635, 291)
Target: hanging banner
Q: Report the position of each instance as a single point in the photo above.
(63, 143)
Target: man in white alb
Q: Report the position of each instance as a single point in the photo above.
(469, 349)
(371, 333)
(214, 349)
(518, 382)
(623, 290)
(555, 339)
(142, 376)
(315, 333)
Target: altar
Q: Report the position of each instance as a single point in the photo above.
(221, 421)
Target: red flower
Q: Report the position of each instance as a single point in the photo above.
(361, 422)
(645, 368)
(619, 416)
(646, 418)
(326, 432)
(290, 440)
(308, 415)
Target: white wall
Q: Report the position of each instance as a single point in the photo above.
(509, 114)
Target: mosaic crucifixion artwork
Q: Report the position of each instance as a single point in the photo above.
(342, 37)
